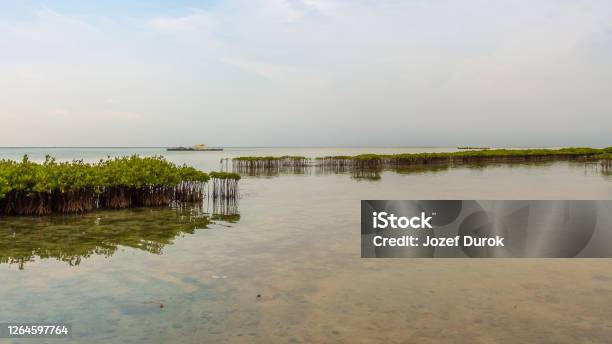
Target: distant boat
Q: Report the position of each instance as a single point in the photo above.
(467, 147)
(197, 148)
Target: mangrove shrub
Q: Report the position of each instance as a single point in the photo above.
(29, 188)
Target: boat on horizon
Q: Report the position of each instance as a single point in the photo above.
(197, 148)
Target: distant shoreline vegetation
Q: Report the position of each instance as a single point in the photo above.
(373, 161)
(29, 188)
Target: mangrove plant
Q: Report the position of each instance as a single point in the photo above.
(225, 185)
(376, 161)
(246, 163)
(29, 188)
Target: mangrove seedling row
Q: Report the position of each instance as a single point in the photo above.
(407, 160)
(247, 163)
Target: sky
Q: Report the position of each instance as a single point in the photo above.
(306, 73)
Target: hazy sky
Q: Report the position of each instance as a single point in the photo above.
(305, 72)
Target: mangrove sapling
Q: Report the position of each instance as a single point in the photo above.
(224, 184)
(335, 162)
(258, 164)
(605, 160)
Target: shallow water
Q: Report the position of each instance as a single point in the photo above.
(296, 243)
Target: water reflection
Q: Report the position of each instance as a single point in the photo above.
(224, 210)
(366, 174)
(422, 169)
(273, 171)
(73, 238)
(375, 173)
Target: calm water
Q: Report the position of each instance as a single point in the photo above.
(295, 242)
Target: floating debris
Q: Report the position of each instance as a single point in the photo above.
(154, 302)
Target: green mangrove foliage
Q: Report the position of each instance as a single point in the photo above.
(150, 181)
(376, 161)
(409, 161)
(29, 188)
(256, 164)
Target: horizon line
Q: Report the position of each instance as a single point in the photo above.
(326, 146)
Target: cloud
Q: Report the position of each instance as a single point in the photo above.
(270, 71)
(197, 20)
(325, 7)
(118, 115)
(282, 10)
(61, 113)
(473, 69)
(45, 14)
